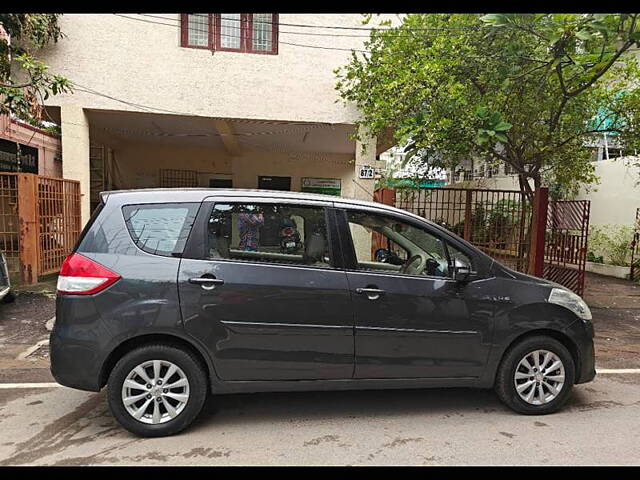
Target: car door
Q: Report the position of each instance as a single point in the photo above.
(411, 321)
(268, 312)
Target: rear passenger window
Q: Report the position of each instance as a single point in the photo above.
(288, 234)
(160, 229)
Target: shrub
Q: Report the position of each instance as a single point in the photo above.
(610, 244)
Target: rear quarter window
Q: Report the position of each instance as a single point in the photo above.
(161, 228)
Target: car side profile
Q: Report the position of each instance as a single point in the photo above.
(170, 295)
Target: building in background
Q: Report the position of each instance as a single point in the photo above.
(24, 148)
(220, 100)
(399, 171)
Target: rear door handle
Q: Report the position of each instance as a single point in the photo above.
(207, 283)
(371, 293)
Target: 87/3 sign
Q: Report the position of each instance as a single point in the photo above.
(366, 171)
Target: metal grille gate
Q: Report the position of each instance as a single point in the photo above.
(547, 239)
(496, 221)
(39, 223)
(566, 243)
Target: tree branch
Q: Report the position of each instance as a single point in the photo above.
(20, 85)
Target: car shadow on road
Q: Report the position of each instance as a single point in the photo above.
(316, 406)
(226, 410)
(221, 411)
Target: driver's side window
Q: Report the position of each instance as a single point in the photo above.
(382, 243)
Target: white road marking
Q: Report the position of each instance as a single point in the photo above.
(11, 386)
(605, 371)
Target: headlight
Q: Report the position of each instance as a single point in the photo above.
(570, 300)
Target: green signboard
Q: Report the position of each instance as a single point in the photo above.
(327, 186)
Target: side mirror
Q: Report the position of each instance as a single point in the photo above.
(462, 271)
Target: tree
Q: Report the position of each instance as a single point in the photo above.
(524, 89)
(24, 81)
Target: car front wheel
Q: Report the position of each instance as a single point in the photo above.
(157, 390)
(536, 376)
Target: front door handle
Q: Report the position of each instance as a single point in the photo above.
(370, 292)
(207, 283)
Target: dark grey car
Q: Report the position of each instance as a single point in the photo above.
(6, 295)
(172, 294)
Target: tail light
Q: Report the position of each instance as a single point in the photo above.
(80, 275)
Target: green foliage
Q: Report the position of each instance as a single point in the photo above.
(610, 244)
(25, 81)
(521, 89)
(493, 224)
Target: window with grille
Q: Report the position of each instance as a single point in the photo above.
(232, 32)
(172, 178)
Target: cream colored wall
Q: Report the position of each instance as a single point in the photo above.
(296, 165)
(502, 182)
(137, 165)
(615, 200)
(144, 63)
(75, 153)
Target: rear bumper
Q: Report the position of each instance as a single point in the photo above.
(4, 291)
(74, 363)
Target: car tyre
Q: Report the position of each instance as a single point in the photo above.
(188, 366)
(10, 297)
(516, 362)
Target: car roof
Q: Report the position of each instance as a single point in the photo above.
(162, 195)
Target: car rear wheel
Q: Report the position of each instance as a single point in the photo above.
(157, 390)
(536, 376)
(10, 297)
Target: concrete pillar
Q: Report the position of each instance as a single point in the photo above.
(365, 155)
(75, 153)
(363, 190)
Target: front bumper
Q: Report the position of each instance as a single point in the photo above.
(582, 333)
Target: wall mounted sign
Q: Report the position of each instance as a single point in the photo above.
(15, 157)
(328, 186)
(365, 171)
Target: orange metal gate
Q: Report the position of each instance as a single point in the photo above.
(58, 220)
(39, 223)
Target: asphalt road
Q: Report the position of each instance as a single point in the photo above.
(600, 425)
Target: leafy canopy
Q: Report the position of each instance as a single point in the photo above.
(523, 89)
(24, 81)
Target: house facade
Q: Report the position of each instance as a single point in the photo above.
(221, 100)
(24, 148)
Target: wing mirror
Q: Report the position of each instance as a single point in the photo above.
(462, 271)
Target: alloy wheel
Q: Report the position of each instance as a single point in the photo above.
(155, 392)
(539, 377)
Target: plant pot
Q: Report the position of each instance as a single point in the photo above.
(608, 270)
